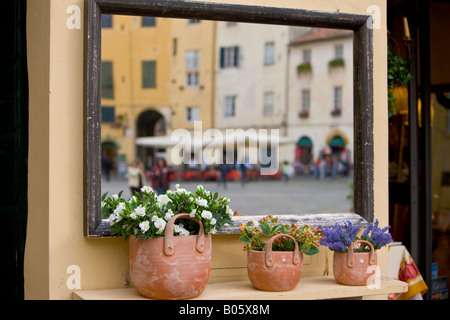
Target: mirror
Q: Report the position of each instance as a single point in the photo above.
(126, 101)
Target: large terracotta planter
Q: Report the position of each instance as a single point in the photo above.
(171, 267)
(275, 270)
(353, 268)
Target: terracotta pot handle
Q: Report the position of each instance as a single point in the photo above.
(168, 234)
(351, 261)
(269, 260)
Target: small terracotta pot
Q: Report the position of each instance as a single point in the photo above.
(171, 267)
(275, 270)
(354, 268)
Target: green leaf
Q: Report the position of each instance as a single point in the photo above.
(305, 247)
(312, 251)
(245, 239)
(265, 229)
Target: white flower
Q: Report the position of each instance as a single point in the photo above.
(213, 221)
(144, 226)
(201, 202)
(163, 199)
(192, 214)
(120, 207)
(133, 199)
(200, 187)
(181, 191)
(184, 232)
(140, 211)
(115, 197)
(160, 224)
(146, 189)
(206, 214)
(229, 211)
(103, 204)
(179, 228)
(213, 230)
(169, 214)
(177, 186)
(114, 218)
(133, 215)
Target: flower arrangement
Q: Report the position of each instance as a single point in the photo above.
(145, 214)
(339, 238)
(254, 234)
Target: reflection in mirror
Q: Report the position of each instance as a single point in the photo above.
(261, 113)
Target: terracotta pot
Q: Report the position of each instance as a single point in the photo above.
(353, 268)
(275, 270)
(171, 267)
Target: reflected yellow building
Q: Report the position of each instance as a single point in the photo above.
(157, 76)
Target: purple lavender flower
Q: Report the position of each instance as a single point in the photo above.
(376, 236)
(339, 238)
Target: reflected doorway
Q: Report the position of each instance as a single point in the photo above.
(150, 123)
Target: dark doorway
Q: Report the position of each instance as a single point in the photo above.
(150, 123)
(13, 146)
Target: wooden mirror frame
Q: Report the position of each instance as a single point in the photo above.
(94, 226)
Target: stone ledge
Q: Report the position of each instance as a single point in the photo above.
(319, 220)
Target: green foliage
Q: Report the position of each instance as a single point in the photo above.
(304, 67)
(255, 236)
(338, 62)
(398, 75)
(145, 214)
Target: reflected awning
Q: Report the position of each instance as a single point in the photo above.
(337, 141)
(304, 142)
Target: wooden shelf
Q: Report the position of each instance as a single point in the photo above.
(309, 288)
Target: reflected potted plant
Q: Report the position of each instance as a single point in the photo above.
(355, 258)
(170, 238)
(275, 252)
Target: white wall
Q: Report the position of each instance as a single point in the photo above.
(320, 123)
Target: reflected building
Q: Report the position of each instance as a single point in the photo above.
(321, 96)
(157, 76)
(161, 74)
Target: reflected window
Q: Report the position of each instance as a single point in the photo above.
(269, 53)
(229, 57)
(192, 114)
(148, 74)
(269, 100)
(107, 80)
(230, 106)
(106, 21)
(108, 114)
(148, 21)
